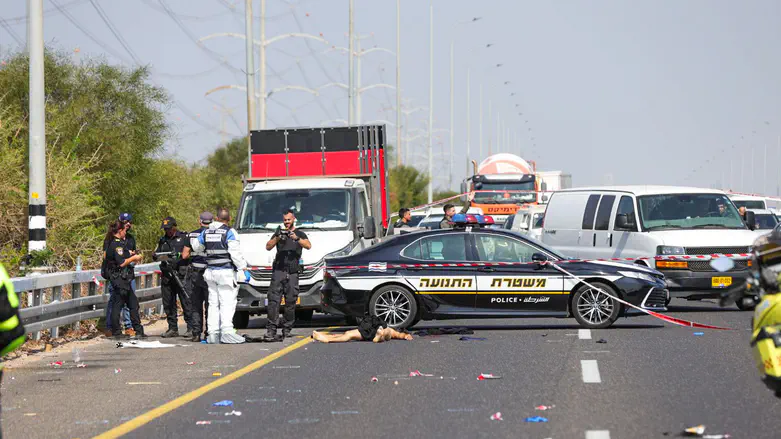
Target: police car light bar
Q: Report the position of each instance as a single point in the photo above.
(462, 219)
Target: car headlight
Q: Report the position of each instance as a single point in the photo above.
(639, 275)
(344, 251)
(670, 250)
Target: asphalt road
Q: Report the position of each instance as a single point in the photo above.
(650, 379)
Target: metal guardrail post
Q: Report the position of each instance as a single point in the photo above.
(36, 296)
(56, 297)
(75, 294)
(156, 281)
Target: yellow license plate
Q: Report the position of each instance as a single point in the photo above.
(721, 282)
(298, 301)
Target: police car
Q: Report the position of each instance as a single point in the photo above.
(475, 271)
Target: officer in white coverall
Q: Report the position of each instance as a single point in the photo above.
(223, 259)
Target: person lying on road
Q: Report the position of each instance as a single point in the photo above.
(371, 328)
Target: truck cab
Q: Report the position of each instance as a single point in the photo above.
(333, 179)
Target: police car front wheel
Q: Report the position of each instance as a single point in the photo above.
(592, 306)
(395, 305)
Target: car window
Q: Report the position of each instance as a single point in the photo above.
(603, 214)
(362, 206)
(508, 224)
(538, 217)
(765, 221)
(444, 247)
(626, 207)
(591, 210)
(497, 248)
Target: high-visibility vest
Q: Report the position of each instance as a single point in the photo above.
(12, 334)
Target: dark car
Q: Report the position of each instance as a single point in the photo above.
(477, 272)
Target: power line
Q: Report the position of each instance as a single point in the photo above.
(10, 30)
(23, 18)
(114, 31)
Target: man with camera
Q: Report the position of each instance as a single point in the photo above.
(290, 243)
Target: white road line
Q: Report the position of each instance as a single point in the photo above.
(598, 434)
(596, 352)
(590, 371)
(584, 334)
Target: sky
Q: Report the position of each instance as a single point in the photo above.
(610, 91)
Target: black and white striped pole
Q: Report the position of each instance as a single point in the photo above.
(37, 193)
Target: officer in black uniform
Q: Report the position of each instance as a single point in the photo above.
(120, 270)
(196, 286)
(174, 241)
(290, 243)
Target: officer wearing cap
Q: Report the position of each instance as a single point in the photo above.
(174, 241)
(196, 285)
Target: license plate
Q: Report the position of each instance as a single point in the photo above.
(721, 282)
(298, 301)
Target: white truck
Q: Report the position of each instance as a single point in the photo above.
(552, 181)
(334, 181)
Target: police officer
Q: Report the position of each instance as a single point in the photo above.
(405, 215)
(196, 285)
(130, 241)
(174, 241)
(284, 277)
(120, 270)
(223, 257)
(11, 328)
(450, 210)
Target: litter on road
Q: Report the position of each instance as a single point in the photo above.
(217, 374)
(699, 333)
(487, 376)
(544, 407)
(465, 338)
(233, 413)
(497, 416)
(147, 345)
(56, 364)
(203, 423)
(417, 373)
(117, 371)
(536, 419)
(698, 430)
(444, 331)
(223, 403)
(191, 363)
(81, 366)
(602, 341)
(374, 379)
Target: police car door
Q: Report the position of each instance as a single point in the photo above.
(443, 286)
(519, 286)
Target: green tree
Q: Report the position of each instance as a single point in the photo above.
(407, 187)
(224, 169)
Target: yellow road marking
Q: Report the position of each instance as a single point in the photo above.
(170, 406)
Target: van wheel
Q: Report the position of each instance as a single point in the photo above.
(395, 305)
(593, 308)
(241, 319)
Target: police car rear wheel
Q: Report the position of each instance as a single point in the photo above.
(593, 308)
(395, 305)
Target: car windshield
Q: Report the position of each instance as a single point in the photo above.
(509, 197)
(688, 211)
(765, 221)
(415, 220)
(541, 245)
(314, 208)
(749, 204)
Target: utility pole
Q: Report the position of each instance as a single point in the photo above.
(250, 81)
(431, 106)
(468, 119)
(398, 82)
(480, 140)
(351, 68)
(452, 112)
(489, 127)
(262, 64)
(36, 226)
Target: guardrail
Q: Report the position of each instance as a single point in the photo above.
(84, 294)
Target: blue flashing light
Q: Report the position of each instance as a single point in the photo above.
(459, 218)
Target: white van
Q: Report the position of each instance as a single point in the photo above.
(748, 201)
(645, 221)
(527, 221)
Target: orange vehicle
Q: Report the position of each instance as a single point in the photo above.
(513, 179)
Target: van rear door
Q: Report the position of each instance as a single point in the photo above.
(562, 227)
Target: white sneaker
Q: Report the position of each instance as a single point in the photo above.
(231, 338)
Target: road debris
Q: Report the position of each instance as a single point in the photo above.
(81, 366)
(497, 416)
(116, 371)
(374, 379)
(417, 373)
(698, 430)
(465, 338)
(217, 374)
(191, 363)
(147, 344)
(203, 423)
(487, 376)
(395, 383)
(56, 364)
(544, 407)
(444, 331)
(223, 403)
(602, 341)
(233, 413)
(30, 414)
(699, 333)
(536, 419)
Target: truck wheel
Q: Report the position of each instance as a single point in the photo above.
(395, 305)
(241, 319)
(304, 314)
(745, 306)
(592, 308)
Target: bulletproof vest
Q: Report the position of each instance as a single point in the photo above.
(198, 259)
(216, 240)
(288, 255)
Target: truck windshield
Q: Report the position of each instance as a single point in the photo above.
(688, 211)
(505, 197)
(314, 208)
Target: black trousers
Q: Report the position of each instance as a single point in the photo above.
(125, 296)
(282, 284)
(199, 299)
(170, 290)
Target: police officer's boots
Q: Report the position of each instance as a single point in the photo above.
(286, 333)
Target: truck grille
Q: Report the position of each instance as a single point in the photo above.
(715, 250)
(264, 274)
(655, 299)
(705, 266)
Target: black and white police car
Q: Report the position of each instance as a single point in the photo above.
(474, 271)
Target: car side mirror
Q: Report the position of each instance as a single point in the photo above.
(539, 258)
(545, 198)
(625, 222)
(751, 220)
(369, 230)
